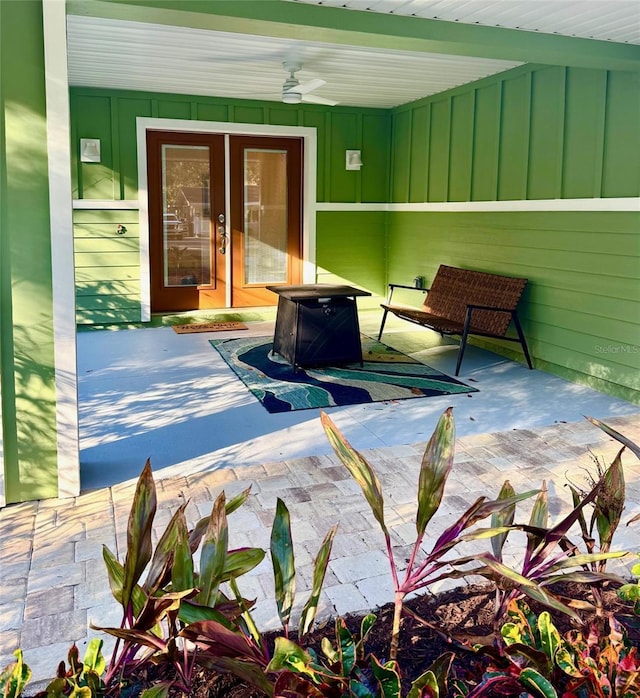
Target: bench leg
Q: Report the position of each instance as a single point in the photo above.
(463, 346)
(384, 319)
(463, 340)
(523, 341)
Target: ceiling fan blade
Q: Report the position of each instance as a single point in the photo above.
(315, 99)
(310, 85)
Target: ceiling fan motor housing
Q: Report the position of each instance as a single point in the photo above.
(289, 96)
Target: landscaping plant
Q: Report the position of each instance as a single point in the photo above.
(423, 569)
(180, 617)
(531, 655)
(550, 556)
(15, 677)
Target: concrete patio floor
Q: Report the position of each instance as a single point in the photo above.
(150, 393)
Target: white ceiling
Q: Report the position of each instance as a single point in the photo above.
(123, 54)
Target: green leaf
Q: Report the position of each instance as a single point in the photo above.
(283, 562)
(609, 503)
(346, 647)
(584, 559)
(160, 690)
(163, 553)
(633, 447)
(564, 660)
(550, 638)
(241, 561)
(139, 545)
(93, 659)
(528, 586)
(427, 680)
(387, 677)
(214, 552)
(182, 568)
(15, 677)
(502, 518)
(80, 692)
(288, 655)
(192, 613)
(360, 470)
(237, 501)
(536, 684)
(195, 536)
(115, 572)
(511, 634)
(539, 517)
(329, 651)
(319, 571)
(435, 468)
(366, 624)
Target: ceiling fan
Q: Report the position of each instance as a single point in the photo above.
(294, 92)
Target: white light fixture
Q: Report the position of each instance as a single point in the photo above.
(291, 97)
(354, 160)
(89, 150)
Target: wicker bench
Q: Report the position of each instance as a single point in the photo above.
(465, 302)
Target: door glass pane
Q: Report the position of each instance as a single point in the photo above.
(265, 216)
(186, 215)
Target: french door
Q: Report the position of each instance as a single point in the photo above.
(225, 219)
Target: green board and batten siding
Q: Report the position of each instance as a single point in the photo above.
(530, 133)
(533, 133)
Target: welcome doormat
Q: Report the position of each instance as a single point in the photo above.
(208, 327)
(386, 374)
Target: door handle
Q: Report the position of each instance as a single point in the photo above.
(224, 238)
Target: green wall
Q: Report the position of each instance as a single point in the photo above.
(533, 133)
(108, 273)
(350, 249)
(26, 314)
(107, 266)
(111, 117)
(529, 133)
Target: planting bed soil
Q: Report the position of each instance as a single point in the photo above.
(464, 613)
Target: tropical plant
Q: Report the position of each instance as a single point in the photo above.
(532, 655)
(81, 679)
(173, 593)
(423, 570)
(15, 677)
(240, 648)
(348, 671)
(550, 556)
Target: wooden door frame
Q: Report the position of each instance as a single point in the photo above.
(309, 139)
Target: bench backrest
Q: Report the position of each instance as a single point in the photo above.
(453, 288)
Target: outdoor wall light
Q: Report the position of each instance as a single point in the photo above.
(89, 150)
(354, 160)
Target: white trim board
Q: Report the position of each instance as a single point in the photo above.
(614, 204)
(309, 137)
(62, 259)
(618, 204)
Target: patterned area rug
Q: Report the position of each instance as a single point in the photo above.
(386, 374)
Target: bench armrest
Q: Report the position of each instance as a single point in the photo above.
(410, 288)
